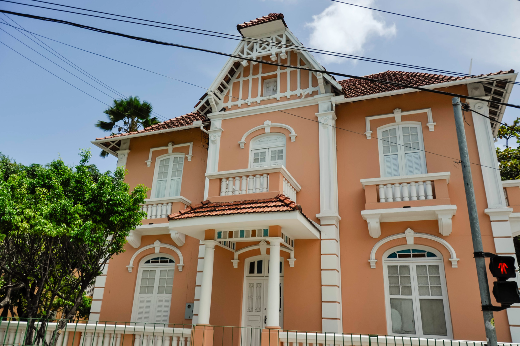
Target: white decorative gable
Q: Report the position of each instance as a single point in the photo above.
(241, 82)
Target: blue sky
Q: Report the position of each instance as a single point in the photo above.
(44, 118)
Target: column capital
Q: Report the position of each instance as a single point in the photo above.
(274, 241)
(210, 243)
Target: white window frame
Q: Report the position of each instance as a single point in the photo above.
(415, 297)
(400, 146)
(142, 266)
(268, 83)
(267, 149)
(156, 172)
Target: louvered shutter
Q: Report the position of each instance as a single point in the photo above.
(162, 178)
(176, 176)
(412, 149)
(390, 148)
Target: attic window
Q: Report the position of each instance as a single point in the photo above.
(270, 87)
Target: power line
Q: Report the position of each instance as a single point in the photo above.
(148, 40)
(281, 111)
(426, 20)
(217, 34)
(72, 85)
(106, 57)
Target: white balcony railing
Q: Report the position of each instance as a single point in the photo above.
(406, 188)
(161, 208)
(254, 180)
(12, 333)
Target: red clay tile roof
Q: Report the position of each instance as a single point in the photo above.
(280, 203)
(357, 87)
(265, 19)
(180, 121)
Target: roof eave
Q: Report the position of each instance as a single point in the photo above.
(343, 99)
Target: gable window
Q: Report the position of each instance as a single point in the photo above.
(268, 150)
(401, 150)
(270, 87)
(168, 176)
(416, 296)
(153, 291)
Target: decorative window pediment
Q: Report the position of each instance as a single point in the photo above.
(267, 127)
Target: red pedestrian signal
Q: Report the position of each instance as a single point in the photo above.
(502, 267)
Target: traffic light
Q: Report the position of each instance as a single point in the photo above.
(503, 268)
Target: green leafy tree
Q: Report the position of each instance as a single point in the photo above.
(59, 226)
(127, 115)
(510, 131)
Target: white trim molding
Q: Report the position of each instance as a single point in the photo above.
(397, 114)
(409, 234)
(263, 251)
(442, 213)
(267, 127)
(157, 245)
(510, 183)
(170, 151)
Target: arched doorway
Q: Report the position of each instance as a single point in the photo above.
(416, 295)
(254, 303)
(153, 289)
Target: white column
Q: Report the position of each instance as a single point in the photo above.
(213, 151)
(207, 282)
(497, 209)
(331, 311)
(273, 287)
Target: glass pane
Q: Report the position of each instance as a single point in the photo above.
(251, 267)
(404, 270)
(436, 291)
(424, 291)
(433, 270)
(422, 280)
(421, 270)
(393, 280)
(392, 270)
(406, 290)
(394, 290)
(432, 317)
(259, 265)
(401, 311)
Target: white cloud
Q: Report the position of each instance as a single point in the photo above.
(346, 29)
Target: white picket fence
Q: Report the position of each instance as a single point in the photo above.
(336, 339)
(12, 333)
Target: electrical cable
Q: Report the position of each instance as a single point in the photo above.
(106, 57)
(239, 38)
(426, 20)
(148, 40)
(281, 111)
(72, 85)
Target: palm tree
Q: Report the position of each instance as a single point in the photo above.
(127, 115)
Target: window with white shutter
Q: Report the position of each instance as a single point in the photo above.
(416, 295)
(401, 150)
(168, 176)
(268, 150)
(154, 288)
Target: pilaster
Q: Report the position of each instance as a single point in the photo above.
(97, 296)
(331, 308)
(497, 210)
(215, 133)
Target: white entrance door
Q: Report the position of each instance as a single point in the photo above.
(256, 299)
(154, 291)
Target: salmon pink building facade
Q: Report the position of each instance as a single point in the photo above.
(290, 200)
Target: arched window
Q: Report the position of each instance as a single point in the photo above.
(268, 150)
(153, 290)
(168, 176)
(401, 150)
(416, 295)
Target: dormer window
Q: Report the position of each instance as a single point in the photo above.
(268, 150)
(270, 87)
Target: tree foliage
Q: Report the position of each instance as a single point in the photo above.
(127, 115)
(59, 226)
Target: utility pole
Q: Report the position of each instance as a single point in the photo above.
(480, 261)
